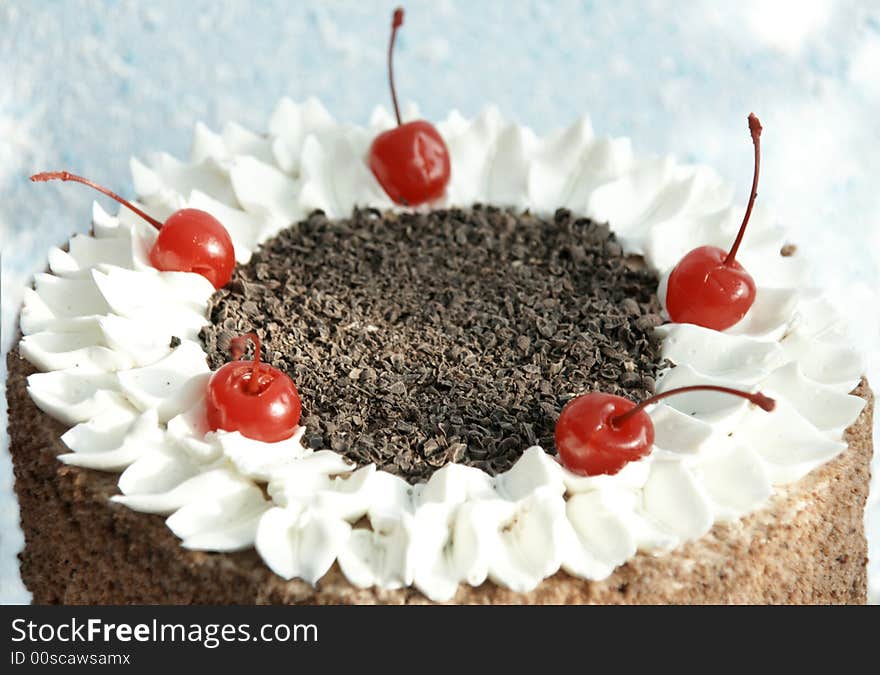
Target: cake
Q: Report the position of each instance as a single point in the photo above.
(433, 349)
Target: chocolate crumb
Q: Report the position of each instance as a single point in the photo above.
(419, 339)
(175, 342)
(788, 250)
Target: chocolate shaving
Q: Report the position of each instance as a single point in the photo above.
(420, 339)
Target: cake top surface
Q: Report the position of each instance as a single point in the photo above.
(456, 335)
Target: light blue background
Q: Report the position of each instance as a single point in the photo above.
(85, 85)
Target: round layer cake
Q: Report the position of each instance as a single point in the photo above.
(434, 350)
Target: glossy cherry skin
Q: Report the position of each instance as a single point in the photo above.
(706, 291)
(411, 163)
(192, 240)
(270, 414)
(588, 443)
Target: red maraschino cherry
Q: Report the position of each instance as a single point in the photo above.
(253, 398)
(411, 161)
(709, 287)
(191, 240)
(600, 433)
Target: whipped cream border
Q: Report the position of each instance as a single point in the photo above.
(99, 328)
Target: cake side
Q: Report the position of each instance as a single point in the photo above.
(806, 546)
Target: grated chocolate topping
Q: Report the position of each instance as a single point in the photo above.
(419, 339)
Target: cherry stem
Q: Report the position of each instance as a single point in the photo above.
(237, 346)
(396, 22)
(755, 128)
(757, 398)
(65, 176)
